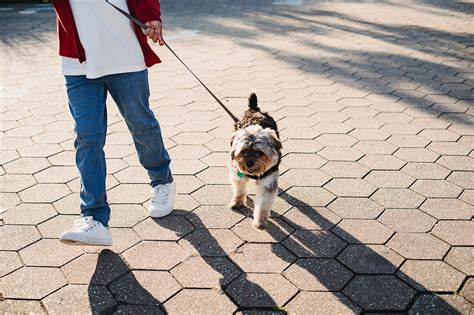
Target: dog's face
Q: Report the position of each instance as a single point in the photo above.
(254, 149)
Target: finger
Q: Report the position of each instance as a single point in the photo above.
(156, 36)
(146, 31)
(152, 32)
(160, 37)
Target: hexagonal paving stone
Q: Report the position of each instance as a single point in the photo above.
(216, 159)
(408, 141)
(448, 148)
(144, 287)
(211, 242)
(461, 258)
(311, 218)
(299, 133)
(468, 290)
(303, 160)
(261, 290)
(162, 255)
(340, 154)
(363, 231)
(15, 237)
(214, 175)
(129, 193)
(169, 228)
(262, 257)
(439, 135)
(308, 196)
(29, 213)
(186, 184)
(302, 146)
(132, 175)
(18, 284)
(442, 304)
(457, 163)
(425, 170)
(370, 259)
(192, 138)
(407, 220)
(355, 208)
(468, 196)
(15, 182)
(57, 174)
(44, 193)
(214, 217)
(139, 309)
(305, 177)
(9, 261)
(8, 200)
(336, 140)
(318, 274)
(462, 179)
(95, 269)
(350, 187)
(126, 215)
(183, 204)
(397, 198)
(382, 162)
(188, 152)
(207, 272)
(58, 253)
(194, 301)
(458, 233)
(275, 231)
(317, 244)
(213, 194)
(375, 147)
(335, 303)
(40, 150)
(379, 292)
(54, 227)
(345, 169)
(416, 155)
(80, 299)
(436, 188)
(418, 246)
(389, 179)
(369, 134)
(425, 275)
(21, 306)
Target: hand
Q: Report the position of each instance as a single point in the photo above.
(154, 31)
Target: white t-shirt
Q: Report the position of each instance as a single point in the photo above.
(108, 39)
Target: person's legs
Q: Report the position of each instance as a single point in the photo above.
(131, 92)
(86, 98)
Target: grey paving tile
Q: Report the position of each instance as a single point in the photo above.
(370, 259)
(461, 258)
(194, 301)
(261, 290)
(16, 237)
(314, 244)
(326, 302)
(363, 231)
(455, 232)
(407, 220)
(261, 258)
(418, 246)
(440, 303)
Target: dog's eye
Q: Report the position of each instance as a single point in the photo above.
(259, 153)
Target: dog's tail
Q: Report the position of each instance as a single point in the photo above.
(253, 102)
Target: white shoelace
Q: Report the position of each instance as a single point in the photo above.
(84, 224)
(161, 194)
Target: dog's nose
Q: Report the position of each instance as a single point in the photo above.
(249, 163)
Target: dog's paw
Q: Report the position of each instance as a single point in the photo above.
(259, 225)
(236, 204)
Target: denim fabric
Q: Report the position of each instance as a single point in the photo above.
(86, 98)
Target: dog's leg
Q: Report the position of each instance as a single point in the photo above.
(266, 193)
(239, 187)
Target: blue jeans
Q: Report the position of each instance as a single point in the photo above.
(86, 99)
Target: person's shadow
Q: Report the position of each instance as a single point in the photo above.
(114, 289)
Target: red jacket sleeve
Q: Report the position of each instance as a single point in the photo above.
(147, 10)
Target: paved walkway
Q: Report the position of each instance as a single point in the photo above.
(375, 106)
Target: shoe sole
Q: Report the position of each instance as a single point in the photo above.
(160, 215)
(79, 243)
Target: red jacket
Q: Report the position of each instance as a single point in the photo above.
(70, 44)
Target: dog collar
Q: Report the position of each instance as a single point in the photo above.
(268, 172)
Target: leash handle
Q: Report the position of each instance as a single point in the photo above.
(145, 27)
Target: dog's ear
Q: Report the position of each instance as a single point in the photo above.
(276, 141)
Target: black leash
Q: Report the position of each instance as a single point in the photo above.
(145, 27)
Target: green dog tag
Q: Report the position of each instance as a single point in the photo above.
(240, 174)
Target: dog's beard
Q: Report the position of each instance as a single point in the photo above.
(255, 144)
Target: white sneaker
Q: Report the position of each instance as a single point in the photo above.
(87, 231)
(162, 202)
